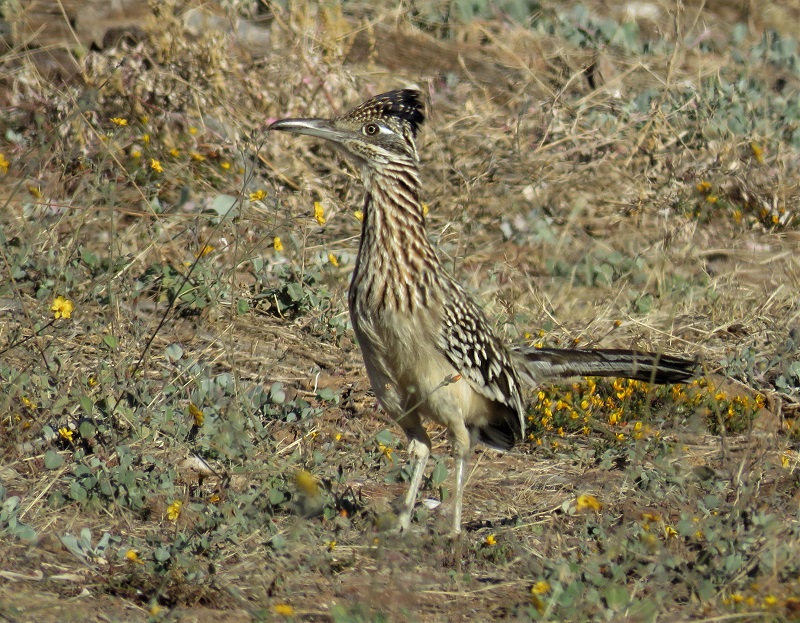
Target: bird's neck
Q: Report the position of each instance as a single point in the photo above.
(396, 261)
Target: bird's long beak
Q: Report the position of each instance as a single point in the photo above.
(321, 128)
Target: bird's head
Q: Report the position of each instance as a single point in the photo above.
(378, 132)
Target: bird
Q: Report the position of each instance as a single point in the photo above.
(430, 352)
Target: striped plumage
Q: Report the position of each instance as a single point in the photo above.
(429, 350)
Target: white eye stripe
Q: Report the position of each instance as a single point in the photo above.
(373, 129)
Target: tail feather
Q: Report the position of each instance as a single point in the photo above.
(538, 365)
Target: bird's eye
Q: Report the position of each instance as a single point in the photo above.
(371, 129)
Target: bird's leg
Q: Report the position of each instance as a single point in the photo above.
(420, 448)
(462, 444)
(461, 466)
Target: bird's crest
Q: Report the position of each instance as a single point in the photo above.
(400, 110)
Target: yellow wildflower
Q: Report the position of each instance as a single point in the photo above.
(425, 209)
(135, 153)
(703, 187)
(65, 433)
(333, 259)
(276, 242)
(145, 138)
(4, 164)
(306, 482)
(62, 307)
(119, 121)
(283, 609)
(206, 249)
(770, 601)
(586, 500)
(174, 152)
(225, 165)
(156, 165)
(491, 540)
(319, 213)
(133, 556)
(197, 414)
(386, 450)
(331, 545)
(541, 587)
(192, 130)
(359, 215)
(258, 195)
(35, 191)
(196, 156)
(758, 152)
(214, 498)
(174, 510)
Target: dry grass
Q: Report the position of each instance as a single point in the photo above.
(576, 214)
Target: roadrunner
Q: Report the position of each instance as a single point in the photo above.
(429, 350)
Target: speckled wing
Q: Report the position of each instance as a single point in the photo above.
(472, 348)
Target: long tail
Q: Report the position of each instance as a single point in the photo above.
(539, 365)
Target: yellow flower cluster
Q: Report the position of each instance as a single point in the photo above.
(739, 600)
(717, 201)
(574, 409)
(622, 403)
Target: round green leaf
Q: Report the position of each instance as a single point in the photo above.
(53, 460)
